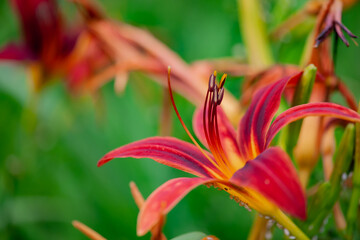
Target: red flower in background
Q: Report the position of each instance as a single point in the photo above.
(49, 49)
(43, 32)
(255, 174)
(45, 41)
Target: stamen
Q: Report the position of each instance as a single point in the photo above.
(217, 141)
(221, 96)
(222, 81)
(346, 29)
(215, 96)
(187, 130)
(212, 82)
(207, 113)
(208, 128)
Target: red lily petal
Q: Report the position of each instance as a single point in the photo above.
(16, 53)
(256, 121)
(265, 78)
(163, 199)
(310, 109)
(227, 135)
(169, 151)
(273, 175)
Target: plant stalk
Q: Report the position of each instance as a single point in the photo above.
(286, 222)
(252, 27)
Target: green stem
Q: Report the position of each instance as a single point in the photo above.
(253, 32)
(286, 222)
(302, 94)
(355, 196)
(328, 193)
(258, 229)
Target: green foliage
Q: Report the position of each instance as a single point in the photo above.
(322, 202)
(190, 236)
(49, 146)
(301, 96)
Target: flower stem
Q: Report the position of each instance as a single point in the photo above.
(253, 32)
(258, 229)
(286, 222)
(355, 196)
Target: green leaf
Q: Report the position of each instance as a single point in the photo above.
(302, 95)
(351, 216)
(328, 193)
(191, 236)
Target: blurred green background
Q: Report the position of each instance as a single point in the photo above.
(49, 149)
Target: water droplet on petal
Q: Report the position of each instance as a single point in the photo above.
(268, 235)
(279, 225)
(247, 207)
(344, 176)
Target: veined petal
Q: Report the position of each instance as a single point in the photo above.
(256, 121)
(272, 175)
(168, 151)
(310, 109)
(163, 199)
(15, 52)
(227, 136)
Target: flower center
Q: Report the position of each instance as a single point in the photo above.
(214, 96)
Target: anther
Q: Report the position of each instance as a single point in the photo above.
(220, 95)
(215, 96)
(212, 82)
(222, 81)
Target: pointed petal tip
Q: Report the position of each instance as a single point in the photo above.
(141, 231)
(164, 199)
(103, 160)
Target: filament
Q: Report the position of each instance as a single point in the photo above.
(186, 129)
